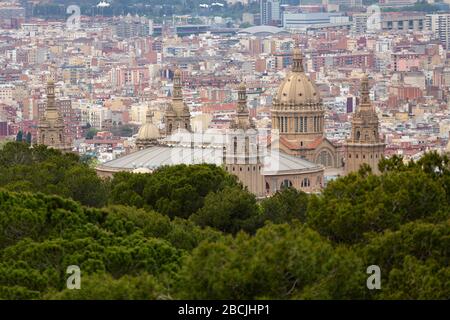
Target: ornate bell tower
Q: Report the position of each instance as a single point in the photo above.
(364, 144)
(242, 119)
(51, 124)
(177, 114)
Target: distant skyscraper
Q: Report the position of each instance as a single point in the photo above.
(439, 24)
(270, 12)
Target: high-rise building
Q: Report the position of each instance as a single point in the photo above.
(364, 145)
(270, 12)
(51, 129)
(439, 24)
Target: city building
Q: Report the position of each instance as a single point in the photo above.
(439, 24)
(270, 12)
(306, 20)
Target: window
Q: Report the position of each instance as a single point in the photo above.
(305, 182)
(286, 184)
(324, 158)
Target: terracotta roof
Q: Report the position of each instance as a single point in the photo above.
(315, 143)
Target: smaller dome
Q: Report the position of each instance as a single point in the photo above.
(148, 131)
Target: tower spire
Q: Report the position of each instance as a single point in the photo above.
(365, 90)
(177, 85)
(242, 98)
(242, 120)
(297, 61)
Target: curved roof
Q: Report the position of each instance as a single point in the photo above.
(148, 131)
(276, 163)
(263, 30)
(297, 88)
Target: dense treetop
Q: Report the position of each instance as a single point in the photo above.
(193, 232)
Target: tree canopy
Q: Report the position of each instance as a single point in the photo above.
(194, 232)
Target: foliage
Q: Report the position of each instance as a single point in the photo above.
(279, 262)
(41, 169)
(229, 210)
(177, 191)
(194, 232)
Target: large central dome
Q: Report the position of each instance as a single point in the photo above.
(297, 110)
(297, 88)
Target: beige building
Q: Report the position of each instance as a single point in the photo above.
(298, 116)
(364, 145)
(238, 151)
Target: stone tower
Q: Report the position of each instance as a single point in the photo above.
(242, 119)
(177, 114)
(364, 144)
(51, 124)
(242, 155)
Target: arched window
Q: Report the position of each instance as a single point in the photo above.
(358, 135)
(324, 158)
(286, 184)
(305, 182)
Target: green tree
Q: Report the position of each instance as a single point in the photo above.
(28, 139)
(285, 206)
(177, 191)
(90, 134)
(279, 262)
(229, 210)
(19, 136)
